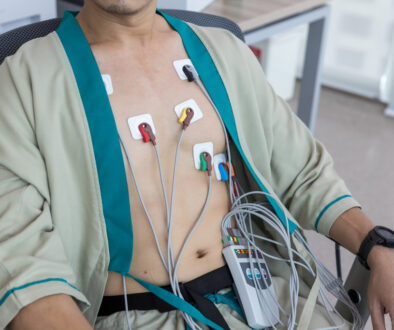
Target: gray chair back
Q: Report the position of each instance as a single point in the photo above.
(12, 40)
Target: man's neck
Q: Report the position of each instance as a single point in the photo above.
(101, 26)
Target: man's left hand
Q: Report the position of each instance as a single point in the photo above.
(381, 286)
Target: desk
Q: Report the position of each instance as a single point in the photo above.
(390, 108)
(261, 19)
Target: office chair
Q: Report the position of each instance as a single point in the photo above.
(12, 40)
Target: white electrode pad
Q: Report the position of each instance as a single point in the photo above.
(134, 122)
(217, 159)
(189, 104)
(178, 65)
(108, 83)
(198, 149)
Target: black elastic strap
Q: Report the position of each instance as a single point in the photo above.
(193, 292)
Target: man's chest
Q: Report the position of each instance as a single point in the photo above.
(153, 88)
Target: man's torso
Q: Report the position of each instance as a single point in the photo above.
(147, 83)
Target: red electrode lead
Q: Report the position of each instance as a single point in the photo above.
(147, 133)
(235, 188)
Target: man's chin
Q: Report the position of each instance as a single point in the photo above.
(123, 7)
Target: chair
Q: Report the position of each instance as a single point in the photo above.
(12, 40)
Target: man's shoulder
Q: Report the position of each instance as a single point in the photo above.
(34, 53)
(216, 35)
(30, 73)
(223, 46)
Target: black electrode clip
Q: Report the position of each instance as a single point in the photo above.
(188, 70)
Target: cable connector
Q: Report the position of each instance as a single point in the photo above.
(189, 72)
(186, 117)
(223, 172)
(227, 167)
(206, 162)
(147, 133)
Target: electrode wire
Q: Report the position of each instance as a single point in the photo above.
(187, 318)
(173, 278)
(170, 265)
(273, 298)
(199, 83)
(241, 224)
(247, 235)
(169, 240)
(142, 201)
(163, 187)
(252, 209)
(333, 285)
(202, 87)
(327, 303)
(126, 303)
(262, 299)
(172, 269)
(293, 284)
(195, 225)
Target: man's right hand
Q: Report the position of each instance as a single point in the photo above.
(57, 312)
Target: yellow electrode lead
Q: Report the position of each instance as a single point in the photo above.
(183, 116)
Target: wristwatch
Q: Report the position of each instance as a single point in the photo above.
(377, 236)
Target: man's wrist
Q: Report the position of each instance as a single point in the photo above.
(351, 228)
(378, 256)
(377, 237)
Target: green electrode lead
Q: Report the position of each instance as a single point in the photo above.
(203, 162)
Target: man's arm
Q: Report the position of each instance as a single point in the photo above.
(33, 260)
(349, 230)
(55, 312)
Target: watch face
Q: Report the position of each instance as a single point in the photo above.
(386, 234)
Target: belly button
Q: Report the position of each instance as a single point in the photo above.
(201, 254)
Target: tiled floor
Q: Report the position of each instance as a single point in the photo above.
(361, 140)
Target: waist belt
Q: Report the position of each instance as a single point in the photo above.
(193, 292)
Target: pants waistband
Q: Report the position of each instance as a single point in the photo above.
(192, 291)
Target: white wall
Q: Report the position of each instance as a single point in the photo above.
(358, 47)
(193, 5)
(15, 13)
(358, 44)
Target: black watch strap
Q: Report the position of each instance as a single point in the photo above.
(373, 238)
(366, 246)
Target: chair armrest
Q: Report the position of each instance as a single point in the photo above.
(356, 285)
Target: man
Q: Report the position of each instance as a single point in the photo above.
(66, 236)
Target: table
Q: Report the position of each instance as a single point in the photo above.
(261, 19)
(390, 108)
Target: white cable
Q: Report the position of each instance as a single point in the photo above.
(195, 225)
(240, 211)
(170, 266)
(170, 253)
(126, 303)
(333, 285)
(162, 182)
(231, 190)
(294, 283)
(142, 201)
(199, 83)
(328, 305)
(281, 229)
